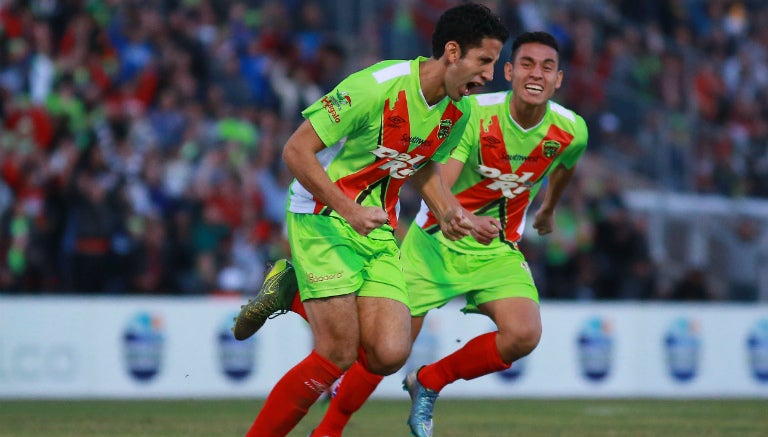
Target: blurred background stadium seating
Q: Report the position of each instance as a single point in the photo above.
(140, 141)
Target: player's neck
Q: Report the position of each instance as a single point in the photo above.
(525, 115)
(431, 74)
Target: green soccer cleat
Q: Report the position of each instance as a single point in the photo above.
(273, 299)
(422, 405)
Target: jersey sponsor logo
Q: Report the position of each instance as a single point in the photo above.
(312, 278)
(522, 158)
(511, 185)
(334, 103)
(401, 165)
(408, 140)
(550, 148)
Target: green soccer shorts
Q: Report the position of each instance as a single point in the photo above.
(436, 274)
(331, 259)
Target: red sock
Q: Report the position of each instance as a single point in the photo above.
(478, 357)
(292, 396)
(298, 307)
(356, 386)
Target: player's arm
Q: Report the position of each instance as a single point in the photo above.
(544, 220)
(484, 228)
(300, 155)
(449, 213)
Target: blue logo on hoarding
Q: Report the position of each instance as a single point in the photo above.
(143, 346)
(595, 349)
(515, 371)
(236, 358)
(757, 346)
(682, 346)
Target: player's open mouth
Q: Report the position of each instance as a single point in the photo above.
(534, 89)
(470, 86)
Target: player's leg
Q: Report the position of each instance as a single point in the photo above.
(428, 288)
(386, 340)
(519, 331)
(386, 343)
(509, 297)
(355, 388)
(357, 385)
(518, 320)
(334, 326)
(326, 250)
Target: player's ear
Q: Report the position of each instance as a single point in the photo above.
(508, 70)
(452, 51)
(559, 80)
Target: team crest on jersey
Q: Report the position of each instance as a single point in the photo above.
(445, 128)
(334, 103)
(550, 148)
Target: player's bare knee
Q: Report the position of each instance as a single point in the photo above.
(342, 357)
(519, 341)
(385, 368)
(387, 362)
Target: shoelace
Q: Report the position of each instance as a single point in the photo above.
(278, 313)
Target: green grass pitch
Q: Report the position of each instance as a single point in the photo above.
(386, 418)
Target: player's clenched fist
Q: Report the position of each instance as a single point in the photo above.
(365, 219)
(455, 225)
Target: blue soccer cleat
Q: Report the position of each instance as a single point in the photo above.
(274, 298)
(422, 405)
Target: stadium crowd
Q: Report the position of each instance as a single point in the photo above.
(140, 141)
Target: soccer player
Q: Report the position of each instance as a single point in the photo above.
(358, 145)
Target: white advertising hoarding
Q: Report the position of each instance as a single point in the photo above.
(68, 347)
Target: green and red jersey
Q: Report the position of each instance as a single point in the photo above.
(379, 129)
(504, 165)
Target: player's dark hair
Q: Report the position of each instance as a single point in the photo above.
(467, 24)
(538, 37)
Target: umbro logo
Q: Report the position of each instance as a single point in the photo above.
(316, 386)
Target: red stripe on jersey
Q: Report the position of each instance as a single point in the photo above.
(396, 163)
(501, 186)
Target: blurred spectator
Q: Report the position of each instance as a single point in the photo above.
(747, 251)
(623, 264)
(94, 218)
(565, 249)
(691, 287)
